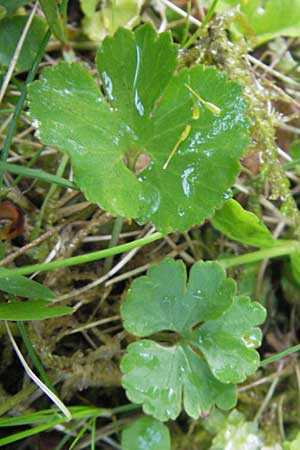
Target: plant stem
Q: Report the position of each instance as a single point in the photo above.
(36, 173)
(283, 248)
(81, 259)
(37, 226)
(13, 401)
(30, 164)
(207, 18)
(17, 52)
(113, 242)
(21, 100)
(280, 355)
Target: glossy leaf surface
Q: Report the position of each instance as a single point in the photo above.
(24, 287)
(242, 225)
(207, 316)
(146, 434)
(32, 310)
(139, 152)
(166, 303)
(10, 31)
(159, 377)
(229, 342)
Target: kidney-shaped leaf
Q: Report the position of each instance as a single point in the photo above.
(149, 148)
(146, 434)
(208, 317)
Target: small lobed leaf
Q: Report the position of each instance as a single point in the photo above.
(160, 377)
(32, 310)
(146, 433)
(242, 226)
(166, 303)
(214, 349)
(24, 287)
(138, 152)
(229, 342)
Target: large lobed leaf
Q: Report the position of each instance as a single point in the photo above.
(119, 144)
(215, 348)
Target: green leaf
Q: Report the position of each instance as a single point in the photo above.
(294, 149)
(229, 342)
(159, 377)
(51, 10)
(242, 226)
(12, 5)
(167, 303)
(146, 434)
(24, 287)
(208, 317)
(10, 31)
(138, 152)
(294, 445)
(88, 7)
(32, 310)
(107, 17)
(269, 18)
(295, 267)
(2, 14)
